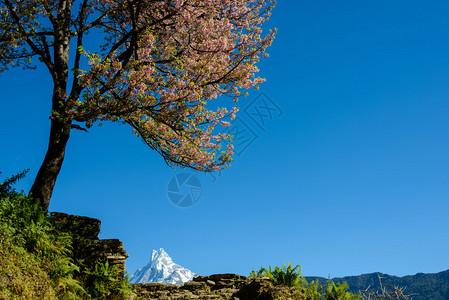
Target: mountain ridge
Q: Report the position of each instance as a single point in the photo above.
(161, 268)
(421, 286)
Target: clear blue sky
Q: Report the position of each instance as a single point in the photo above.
(352, 178)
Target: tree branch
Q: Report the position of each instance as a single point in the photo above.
(46, 59)
(94, 23)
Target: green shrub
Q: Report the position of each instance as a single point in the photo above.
(102, 281)
(21, 274)
(6, 186)
(28, 235)
(338, 291)
(287, 275)
(36, 259)
(292, 277)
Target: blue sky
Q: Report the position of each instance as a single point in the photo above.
(350, 176)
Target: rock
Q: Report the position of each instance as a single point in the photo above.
(87, 247)
(85, 227)
(256, 289)
(210, 282)
(220, 287)
(191, 286)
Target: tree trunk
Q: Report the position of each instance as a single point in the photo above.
(44, 183)
(60, 129)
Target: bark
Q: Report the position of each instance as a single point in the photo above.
(44, 183)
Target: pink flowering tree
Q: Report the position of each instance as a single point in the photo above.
(158, 65)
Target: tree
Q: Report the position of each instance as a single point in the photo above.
(159, 64)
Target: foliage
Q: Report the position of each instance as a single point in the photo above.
(161, 61)
(36, 260)
(21, 273)
(6, 186)
(102, 281)
(29, 235)
(287, 275)
(292, 277)
(157, 66)
(337, 291)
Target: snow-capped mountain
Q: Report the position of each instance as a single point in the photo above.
(161, 268)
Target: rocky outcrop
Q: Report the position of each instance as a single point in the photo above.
(87, 247)
(218, 286)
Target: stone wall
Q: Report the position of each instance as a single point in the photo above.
(87, 247)
(218, 286)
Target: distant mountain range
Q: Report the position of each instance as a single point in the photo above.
(161, 268)
(420, 286)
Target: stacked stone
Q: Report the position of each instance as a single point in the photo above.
(217, 286)
(113, 251)
(87, 247)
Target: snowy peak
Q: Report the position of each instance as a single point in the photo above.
(161, 268)
(162, 257)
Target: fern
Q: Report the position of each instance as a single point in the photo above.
(6, 186)
(38, 259)
(102, 281)
(292, 277)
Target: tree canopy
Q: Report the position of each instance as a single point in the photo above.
(155, 65)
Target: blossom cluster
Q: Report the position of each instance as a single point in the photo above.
(160, 66)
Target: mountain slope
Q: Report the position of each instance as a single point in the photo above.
(420, 286)
(161, 268)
